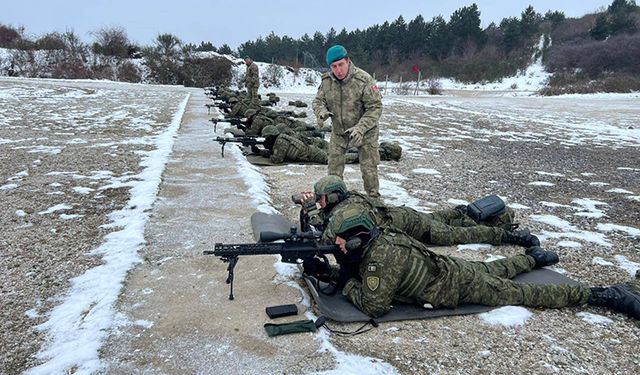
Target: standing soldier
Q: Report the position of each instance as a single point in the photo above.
(349, 96)
(251, 79)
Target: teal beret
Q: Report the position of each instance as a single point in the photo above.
(336, 53)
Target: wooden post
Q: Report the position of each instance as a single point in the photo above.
(418, 83)
(386, 83)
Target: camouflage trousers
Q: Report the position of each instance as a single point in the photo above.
(368, 157)
(488, 283)
(444, 227)
(252, 93)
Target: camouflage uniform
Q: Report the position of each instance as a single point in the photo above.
(240, 107)
(397, 267)
(355, 102)
(258, 123)
(291, 148)
(444, 227)
(252, 81)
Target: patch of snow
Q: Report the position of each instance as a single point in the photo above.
(633, 232)
(57, 207)
(474, 247)
(507, 316)
(594, 319)
(541, 183)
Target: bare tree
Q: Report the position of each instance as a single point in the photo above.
(111, 42)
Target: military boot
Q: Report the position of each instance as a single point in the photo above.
(624, 298)
(542, 257)
(520, 237)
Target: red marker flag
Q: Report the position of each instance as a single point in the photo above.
(415, 69)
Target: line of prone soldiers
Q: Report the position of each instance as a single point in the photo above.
(384, 257)
(282, 135)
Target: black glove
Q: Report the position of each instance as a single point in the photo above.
(266, 153)
(255, 149)
(317, 267)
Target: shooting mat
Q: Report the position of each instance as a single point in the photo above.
(338, 308)
(266, 162)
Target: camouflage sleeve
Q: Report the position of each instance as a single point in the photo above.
(319, 103)
(278, 152)
(381, 275)
(372, 102)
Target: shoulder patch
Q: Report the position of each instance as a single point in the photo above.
(373, 282)
(371, 276)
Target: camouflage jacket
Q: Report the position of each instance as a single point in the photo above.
(397, 267)
(354, 101)
(291, 148)
(252, 76)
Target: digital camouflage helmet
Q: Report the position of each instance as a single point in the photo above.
(270, 131)
(351, 223)
(331, 186)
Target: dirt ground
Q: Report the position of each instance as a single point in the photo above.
(545, 156)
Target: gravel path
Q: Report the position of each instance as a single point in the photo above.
(569, 166)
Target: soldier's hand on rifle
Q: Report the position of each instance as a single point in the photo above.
(356, 136)
(316, 267)
(255, 149)
(266, 153)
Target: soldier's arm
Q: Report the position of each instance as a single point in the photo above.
(277, 152)
(319, 103)
(380, 279)
(372, 102)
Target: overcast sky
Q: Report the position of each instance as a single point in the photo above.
(237, 21)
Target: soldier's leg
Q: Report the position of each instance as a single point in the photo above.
(443, 234)
(490, 290)
(507, 268)
(453, 216)
(410, 221)
(428, 229)
(336, 156)
(369, 159)
(317, 155)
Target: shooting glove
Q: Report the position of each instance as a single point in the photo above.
(266, 153)
(356, 136)
(315, 267)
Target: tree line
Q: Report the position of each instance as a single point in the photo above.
(603, 47)
(458, 48)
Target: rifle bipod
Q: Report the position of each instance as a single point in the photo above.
(232, 260)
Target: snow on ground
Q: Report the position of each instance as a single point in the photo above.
(594, 318)
(568, 230)
(507, 316)
(77, 327)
